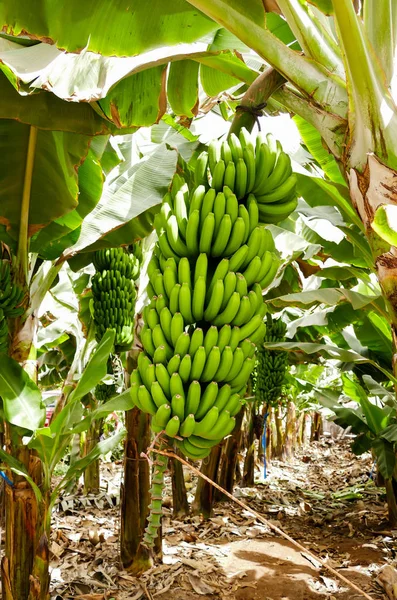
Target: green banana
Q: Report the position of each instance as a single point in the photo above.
(207, 232)
(187, 427)
(172, 427)
(193, 398)
(207, 423)
(207, 400)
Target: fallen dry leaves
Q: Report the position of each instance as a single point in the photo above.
(324, 499)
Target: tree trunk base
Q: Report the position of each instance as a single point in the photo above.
(205, 493)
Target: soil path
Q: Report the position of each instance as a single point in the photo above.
(324, 499)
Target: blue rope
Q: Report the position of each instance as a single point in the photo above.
(4, 476)
(371, 475)
(264, 446)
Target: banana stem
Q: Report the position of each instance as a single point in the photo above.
(258, 93)
(22, 254)
(156, 495)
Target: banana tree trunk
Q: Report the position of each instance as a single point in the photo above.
(40, 576)
(205, 496)
(269, 437)
(280, 436)
(180, 505)
(22, 513)
(135, 493)
(229, 459)
(92, 477)
(290, 432)
(21, 524)
(300, 424)
(306, 428)
(249, 462)
(317, 427)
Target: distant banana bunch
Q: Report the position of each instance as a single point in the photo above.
(271, 364)
(114, 294)
(249, 167)
(10, 297)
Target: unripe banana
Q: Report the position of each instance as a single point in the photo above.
(178, 407)
(211, 365)
(176, 385)
(198, 302)
(172, 427)
(207, 233)
(193, 398)
(188, 426)
(158, 395)
(185, 368)
(223, 396)
(207, 423)
(200, 172)
(198, 363)
(177, 327)
(163, 378)
(196, 340)
(163, 415)
(210, 339)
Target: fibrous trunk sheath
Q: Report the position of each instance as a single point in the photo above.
(180, 504)
(135, 493)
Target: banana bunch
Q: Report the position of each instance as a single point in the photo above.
(203, 321)
(246, 167)
(114, 294)
(271, 364)
(10, 297)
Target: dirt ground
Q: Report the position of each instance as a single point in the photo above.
(324, 499)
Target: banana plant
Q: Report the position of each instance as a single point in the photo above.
(373, 421)
(24, 409)
(42, 236)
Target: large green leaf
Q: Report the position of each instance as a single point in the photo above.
(129, 91)
(121, 402)
(318, 192)
(54, 190)
(385, 223)
(137, 101)
(22, 402)
(328, 296)
(136, 189)
(62, 233)
(390, 433)
(249, 22)
(375, 416)
(374, 332)
(96, 368)
(45, 111)
(315, 145)
(386, 457)
(214, 79)
(344, 416)
(123, 28)
(79, 466)
(330, 352)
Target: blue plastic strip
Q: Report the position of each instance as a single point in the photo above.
(264, 446)
(371, 475)
(4, 476)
